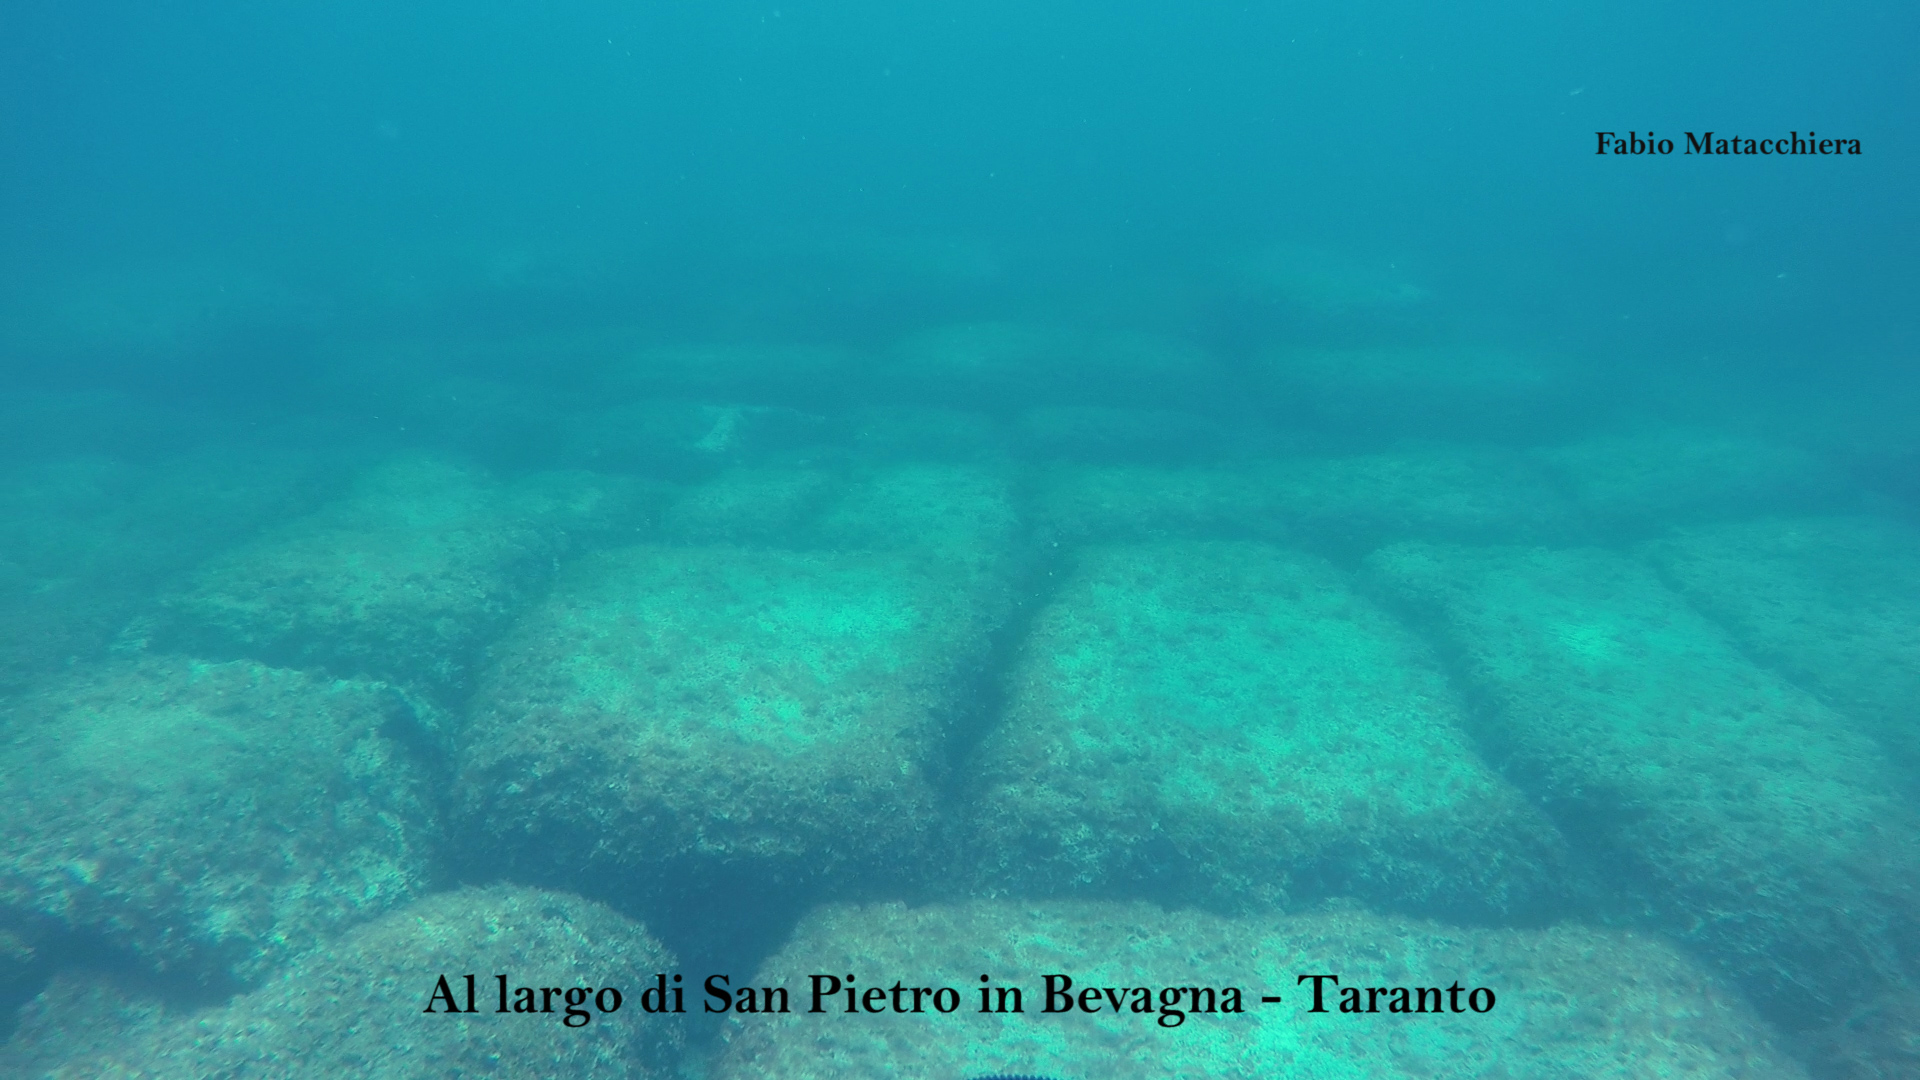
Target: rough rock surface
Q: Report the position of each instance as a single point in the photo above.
(1569, 1002)
(680, 711)
(403, 578)
(1001, 365)
(354, 1007)
(213, 819)
(1229, 724)
(1740, 813)
(1834, 602)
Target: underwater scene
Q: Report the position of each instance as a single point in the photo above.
(789, 539)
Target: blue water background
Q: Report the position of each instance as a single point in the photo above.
(706, 169)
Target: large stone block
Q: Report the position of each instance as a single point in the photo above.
(354, 1007)
(212, 819)
(1568, 1002)
(1731, 807)
(1229, 724)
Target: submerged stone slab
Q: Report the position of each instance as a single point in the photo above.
(212, 819)
(924, 433)
(1740, 813)
(1229, 724)
(686, 713)
(1640, 482)
(354, 1007)
(403, 578)
(1568, 1002)
(85, 541)
(749, 504)
(77, 1014)
(679, 439)
(961, 515)
(1358, 501)
(1833, 602)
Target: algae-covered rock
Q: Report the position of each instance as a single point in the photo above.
(403, 578)
(1230, 724)
(679, 439)
(749, 504)
(212, 819)
(1877, 1040)
(1137, 503)
(1834, 602)
(924, 433)
(1567, 1002)
(689, 712)
(85, 540)
(1748, 819)
(78, 1014)
(20, 970)
(355, 1006)
(962, 516)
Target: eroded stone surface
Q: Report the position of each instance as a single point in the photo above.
(213, 819)
(1228, 723)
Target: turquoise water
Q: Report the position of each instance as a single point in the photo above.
(1176, 497)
